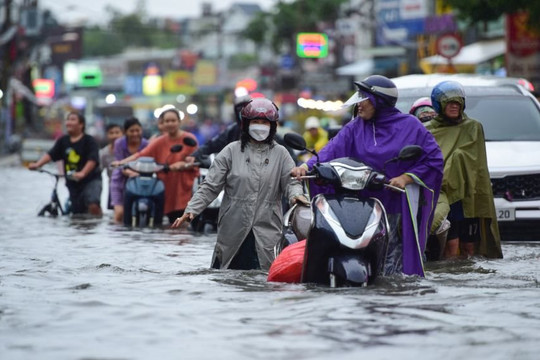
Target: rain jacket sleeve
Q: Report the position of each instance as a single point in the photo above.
(213, 183)
(292, 186)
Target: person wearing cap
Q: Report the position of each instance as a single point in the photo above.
(254, 173)
(376, 134)
(316, 137)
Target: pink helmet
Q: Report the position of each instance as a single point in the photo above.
(423, 101)
(260, 108)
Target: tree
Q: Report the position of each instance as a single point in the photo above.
(122, 31)
(489, 10)
(288, 19)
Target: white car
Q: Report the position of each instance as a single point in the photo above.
(510, 115)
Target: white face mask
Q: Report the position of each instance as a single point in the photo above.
(259, 132)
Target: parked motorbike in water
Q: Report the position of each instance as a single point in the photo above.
(144, 195)
(347, 237)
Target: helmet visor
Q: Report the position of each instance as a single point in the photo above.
(252, 112)
(355, 99)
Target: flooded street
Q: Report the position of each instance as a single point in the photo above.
(87, 289)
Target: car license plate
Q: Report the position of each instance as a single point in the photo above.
(506, 214)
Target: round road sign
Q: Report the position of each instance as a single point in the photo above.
(448, 45)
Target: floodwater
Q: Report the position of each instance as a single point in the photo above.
(87, 289)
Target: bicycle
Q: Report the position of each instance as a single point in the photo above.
(54, 207)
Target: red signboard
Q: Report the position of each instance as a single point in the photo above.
(523, 49)
(43, 88)
(449, 45)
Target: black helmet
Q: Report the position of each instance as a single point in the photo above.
(239, 103)
(381, 87)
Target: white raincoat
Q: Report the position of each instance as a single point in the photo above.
(254, 182)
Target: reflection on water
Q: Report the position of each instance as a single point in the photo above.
(87, 289)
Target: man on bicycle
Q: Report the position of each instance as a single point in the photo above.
(80, 153)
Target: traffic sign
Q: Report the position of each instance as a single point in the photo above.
(449, 45)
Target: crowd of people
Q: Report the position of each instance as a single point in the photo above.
(259, 174)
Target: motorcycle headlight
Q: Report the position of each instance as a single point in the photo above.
(353, 178)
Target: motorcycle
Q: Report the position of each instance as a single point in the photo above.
(347, 237)
(144, 195)
(206, 221)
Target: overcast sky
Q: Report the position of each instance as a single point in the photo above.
(93, 10)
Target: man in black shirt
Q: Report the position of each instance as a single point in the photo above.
(80, 153)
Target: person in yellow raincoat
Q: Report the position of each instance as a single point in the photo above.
(316, 137)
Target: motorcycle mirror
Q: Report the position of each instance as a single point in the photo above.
(176, 148)
(296, 141)
(189, 141)
(410, 152)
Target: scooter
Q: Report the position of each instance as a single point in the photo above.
(144, 195)
(347, 238)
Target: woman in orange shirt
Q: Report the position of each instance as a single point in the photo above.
(179, 180)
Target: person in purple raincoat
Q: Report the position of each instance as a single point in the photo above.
(376, 134)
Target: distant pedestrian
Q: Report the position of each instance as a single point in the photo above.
(106, 155)
(315, 136)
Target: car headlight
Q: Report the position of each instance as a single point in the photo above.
(353, 178)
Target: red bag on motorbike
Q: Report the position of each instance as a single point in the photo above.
(287, 267)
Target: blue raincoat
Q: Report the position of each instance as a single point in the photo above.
(378, 140)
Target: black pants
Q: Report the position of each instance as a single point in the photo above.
(246, 258)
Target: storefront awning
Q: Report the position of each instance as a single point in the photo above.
(365, 67)
(359, 68)
(472, 54)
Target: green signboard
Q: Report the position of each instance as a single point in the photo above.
(90, 76)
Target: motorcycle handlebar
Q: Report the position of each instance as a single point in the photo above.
(394, 188)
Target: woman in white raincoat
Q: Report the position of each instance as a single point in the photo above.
(254, 173)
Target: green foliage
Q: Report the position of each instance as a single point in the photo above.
(242, 61)
(122, 31)
(489, 10)
(257, 29)
(98, 42)
(289, 19)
